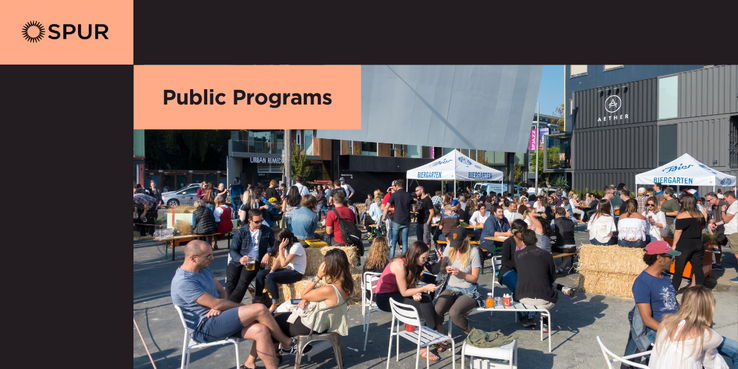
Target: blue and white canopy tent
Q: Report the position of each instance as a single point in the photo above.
(455, 166)
(685, 171)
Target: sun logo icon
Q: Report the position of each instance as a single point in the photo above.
(33, 31)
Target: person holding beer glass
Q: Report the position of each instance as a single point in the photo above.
(250, 250)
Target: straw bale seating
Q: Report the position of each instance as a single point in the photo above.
(609, 270)
(314, 259)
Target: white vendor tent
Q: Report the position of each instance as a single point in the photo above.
(686, 171)
(455, 166)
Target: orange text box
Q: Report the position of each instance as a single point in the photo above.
(246, 97)
(66, 32)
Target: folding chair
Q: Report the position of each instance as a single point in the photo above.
(332, 337)
(610, 357)
(422, 335)
(368, 283)
(190, 343)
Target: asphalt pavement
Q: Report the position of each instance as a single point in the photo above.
(576, 322)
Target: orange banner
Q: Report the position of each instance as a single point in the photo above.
(66, 32)
(246, 97)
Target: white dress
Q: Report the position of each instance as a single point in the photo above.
(668, 354)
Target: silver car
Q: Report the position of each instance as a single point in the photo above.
(186, 195)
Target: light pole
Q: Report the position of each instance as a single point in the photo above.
(538, 118)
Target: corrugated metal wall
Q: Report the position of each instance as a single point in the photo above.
(597, 180)
(708, 91)
(639, 101)
(705, 138)
(627, 147)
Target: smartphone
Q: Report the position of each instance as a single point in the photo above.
(295, 301)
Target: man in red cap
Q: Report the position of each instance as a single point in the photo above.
(654, 296)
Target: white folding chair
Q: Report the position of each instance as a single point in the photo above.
(508, 353)
(610, 357)
(368, 283)
(422, 335)
(190, 343)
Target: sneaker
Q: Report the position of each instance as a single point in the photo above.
(143, 218)
(734, 280)
(525, 323)
(569, 291)
(717, 267)
(545, 328)
(560, 269)
(291, 350)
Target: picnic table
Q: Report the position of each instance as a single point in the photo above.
(520, 307)
(178, 240)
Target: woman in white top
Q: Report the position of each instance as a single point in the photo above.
(685, 340)
(289, 267)
(601, 225)
(480, 216)
(657, 219)
(632, 226)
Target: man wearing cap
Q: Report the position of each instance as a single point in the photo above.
(642, 199)
(654, 296)
(403, 203)
(347, 187)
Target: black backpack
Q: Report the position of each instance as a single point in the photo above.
(350, 233)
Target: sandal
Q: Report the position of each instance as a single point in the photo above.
(442, 346)
(424, 355)
(243, 366)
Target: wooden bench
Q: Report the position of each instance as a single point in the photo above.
(179, 240)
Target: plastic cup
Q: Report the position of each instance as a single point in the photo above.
(409, 328)
(507, 301)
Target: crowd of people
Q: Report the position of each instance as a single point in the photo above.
(277, 221)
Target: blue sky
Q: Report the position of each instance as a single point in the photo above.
(551, 93)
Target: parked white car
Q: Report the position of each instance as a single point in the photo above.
(186, 195)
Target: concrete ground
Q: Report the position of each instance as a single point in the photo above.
(576, 322)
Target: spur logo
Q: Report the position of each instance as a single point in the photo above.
(34, 31)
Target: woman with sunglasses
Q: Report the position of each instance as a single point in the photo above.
(656, 219)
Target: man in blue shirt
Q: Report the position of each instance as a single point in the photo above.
(210, 316)
(495, 226)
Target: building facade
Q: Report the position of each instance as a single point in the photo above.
(627, 127)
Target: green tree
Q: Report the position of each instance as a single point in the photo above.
(559, 117)
(299, 164)
(543, 178)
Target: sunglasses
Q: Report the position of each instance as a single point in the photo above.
(651, 204)
(256, 221)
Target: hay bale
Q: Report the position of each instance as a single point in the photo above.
(294, 290)
(183, 209)
(360, 208)
(315, 257)
(183, 227)
(609, 270)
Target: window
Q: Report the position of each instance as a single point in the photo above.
(494, 157)
(611, 67)
(668, 97)
(667, 143)
(577, 70)
(298, 138)
(369, 148)
(446, 150)
(308, 142)
(414, 151)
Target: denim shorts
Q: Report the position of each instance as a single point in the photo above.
(220, 327)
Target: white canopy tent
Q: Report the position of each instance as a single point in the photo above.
(452, 167)
(686, 171)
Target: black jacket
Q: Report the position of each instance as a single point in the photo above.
(564, 231)
(508, 250)
(536, 272)
(242, 243)
(204, 221)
